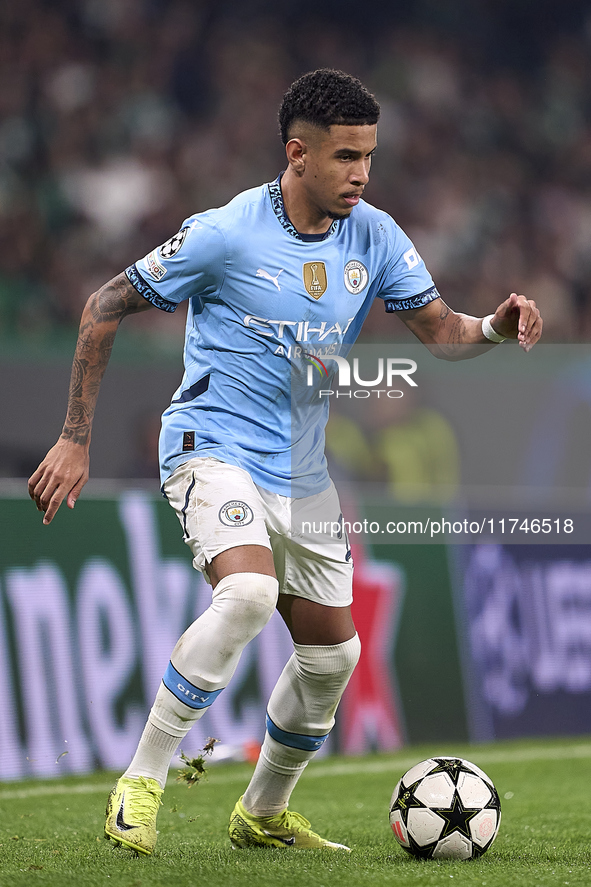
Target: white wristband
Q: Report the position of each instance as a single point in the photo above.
(489, 332)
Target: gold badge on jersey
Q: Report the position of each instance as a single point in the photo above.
(315, 281)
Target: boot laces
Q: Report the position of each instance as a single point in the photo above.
(144, 802)
(295, 821)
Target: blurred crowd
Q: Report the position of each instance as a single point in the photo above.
(119, 118)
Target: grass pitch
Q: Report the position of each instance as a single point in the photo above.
(51, 832)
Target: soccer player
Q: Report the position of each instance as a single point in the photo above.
(288, 268)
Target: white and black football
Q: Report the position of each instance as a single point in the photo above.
(445, 808)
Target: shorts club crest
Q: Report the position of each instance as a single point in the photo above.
(236, 514)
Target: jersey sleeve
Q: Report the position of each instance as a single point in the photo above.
(192, 263)
(405, 283)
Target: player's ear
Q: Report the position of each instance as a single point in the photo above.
(296, 150)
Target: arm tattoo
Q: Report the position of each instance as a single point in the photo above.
(102, 315)
(115, 300)
(456, 335)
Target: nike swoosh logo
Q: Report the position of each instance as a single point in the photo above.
(121, 824)
(289, 842)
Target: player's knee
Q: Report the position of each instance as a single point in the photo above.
(337, 660)
(254, 594)
(351, 655)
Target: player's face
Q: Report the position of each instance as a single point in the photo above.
(337, 168)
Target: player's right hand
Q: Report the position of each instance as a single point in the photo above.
(61, 475)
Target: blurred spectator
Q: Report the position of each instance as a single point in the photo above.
(119, 118)
(410, 446)
(144, 456)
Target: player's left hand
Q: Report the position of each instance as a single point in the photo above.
(518, 318)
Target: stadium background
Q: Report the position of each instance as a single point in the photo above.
(118, 120)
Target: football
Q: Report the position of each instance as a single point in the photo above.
(445, 808)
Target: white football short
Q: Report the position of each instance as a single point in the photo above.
(220, 507)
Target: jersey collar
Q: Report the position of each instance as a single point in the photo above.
(279, 210)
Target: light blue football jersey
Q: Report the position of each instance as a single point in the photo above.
(261, 296)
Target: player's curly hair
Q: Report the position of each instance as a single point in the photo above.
(325, 98)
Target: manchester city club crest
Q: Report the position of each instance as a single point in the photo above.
(236, 514)
(356, 276)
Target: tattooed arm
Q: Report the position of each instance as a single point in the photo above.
(64, 471)
(453, 336)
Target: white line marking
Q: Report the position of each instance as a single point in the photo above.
(352, 767)
(41, 791)
(480, 757)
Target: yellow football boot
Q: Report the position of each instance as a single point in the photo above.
(285, 830)
(131, 813)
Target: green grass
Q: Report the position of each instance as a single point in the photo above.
(51, 832)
